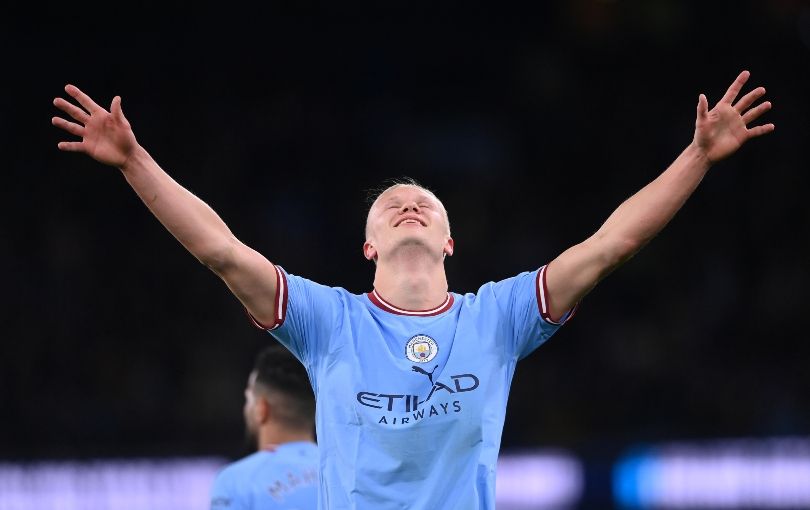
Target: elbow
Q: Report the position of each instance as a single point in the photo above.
(616, 252)
(219, 257)
(626, 248)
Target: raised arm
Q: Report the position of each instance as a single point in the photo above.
(108, 138)
(719, 132)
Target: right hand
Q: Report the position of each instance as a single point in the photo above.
(106, 136)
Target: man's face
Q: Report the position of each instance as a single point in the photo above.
(404, 216)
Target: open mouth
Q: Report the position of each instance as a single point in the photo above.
(410, 221)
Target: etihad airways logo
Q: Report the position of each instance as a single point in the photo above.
(413, 406)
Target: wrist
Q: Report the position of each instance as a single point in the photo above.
(699, 155)
(135, 159)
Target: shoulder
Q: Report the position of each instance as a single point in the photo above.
(300, 283)
(498, 290)
(240, 469)
(296, 453)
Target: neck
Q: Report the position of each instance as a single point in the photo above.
(274, 434)
(412, 281)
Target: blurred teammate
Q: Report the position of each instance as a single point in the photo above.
(412, 380)
(279, 421)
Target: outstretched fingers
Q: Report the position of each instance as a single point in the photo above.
(747, 100)
(754, 113)
(71, 109)
(742, 106)
(70, 127)
(83, 99)
(71, 146)
(760, 130)
(735, 87)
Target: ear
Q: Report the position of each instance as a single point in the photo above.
(369, 251)
(448, 247)
(261, 410)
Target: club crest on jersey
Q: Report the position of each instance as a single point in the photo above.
(421, 349)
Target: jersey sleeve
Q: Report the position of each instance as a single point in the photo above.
(523, 304)
(224, 495)
(306, 315)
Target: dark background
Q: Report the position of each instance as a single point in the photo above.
(531, 125)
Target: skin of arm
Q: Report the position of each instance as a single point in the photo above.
(107, 137)
(719, 132)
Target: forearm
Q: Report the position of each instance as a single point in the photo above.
(190, 220)
(642, 216)
(634, 223)
(719, 132)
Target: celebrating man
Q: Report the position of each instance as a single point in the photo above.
(411, 380)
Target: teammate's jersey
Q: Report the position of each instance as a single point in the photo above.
(284, 477)
(410, 404)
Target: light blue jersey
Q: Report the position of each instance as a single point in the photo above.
(284, 477)
(410, 404)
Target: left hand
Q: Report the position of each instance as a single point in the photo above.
(719, 132)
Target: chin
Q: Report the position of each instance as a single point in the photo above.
(412, 241)
(415, 245)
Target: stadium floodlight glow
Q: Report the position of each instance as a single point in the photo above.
(181, 484)
(538, 480)
(533, 480)
(749, 473)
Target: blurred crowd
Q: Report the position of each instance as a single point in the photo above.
(530, 127)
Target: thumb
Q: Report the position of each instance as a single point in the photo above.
(115, 108)
(702, 107)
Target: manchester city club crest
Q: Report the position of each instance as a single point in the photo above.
(421, 349)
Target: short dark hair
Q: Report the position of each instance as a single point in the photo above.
(279, 373)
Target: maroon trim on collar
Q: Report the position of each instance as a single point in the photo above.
(378, 300)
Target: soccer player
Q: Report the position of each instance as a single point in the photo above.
(411, 380)
(279, 421)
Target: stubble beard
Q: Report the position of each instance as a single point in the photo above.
(414, 248)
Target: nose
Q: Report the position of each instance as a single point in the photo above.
(409, 207)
